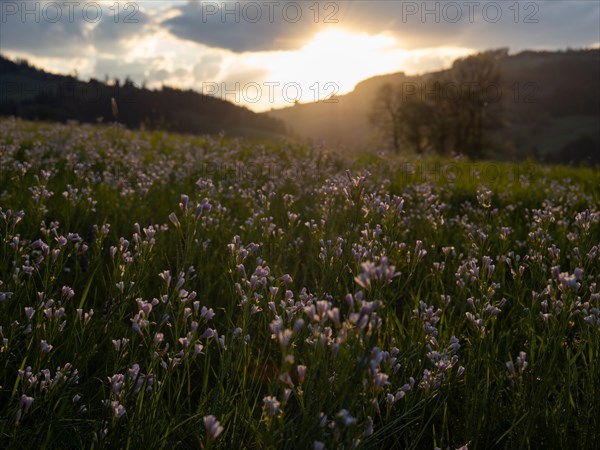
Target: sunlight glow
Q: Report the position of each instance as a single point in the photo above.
(336, 56)
(336, 60)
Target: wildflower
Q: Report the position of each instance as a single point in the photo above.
(213, 426)
(174, 220)
(271, 405)
(67, 292)
(287, 392)
(208, 314)
(380, 380)
(301, 370)
(158, 338)
(390, 399)
(382, 273)
(166, 277)
(203, 206)
(118, 410)
(284, 337)
(568, 281)
(298, 324)
(369, 430)
(184, 341)
(45, 347)
(521, 361)
(522, 364)
(184, 202)
(484, 198)
(29, 312)
(346, 418)
(24, 404)
(116, 383)
(120, 343)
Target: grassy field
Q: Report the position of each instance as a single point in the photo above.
(162, 291)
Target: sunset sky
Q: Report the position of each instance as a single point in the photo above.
(267, 54)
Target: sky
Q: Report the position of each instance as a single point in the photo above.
(270, 54)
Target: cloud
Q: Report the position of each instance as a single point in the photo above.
(184, 44)
(68, 29)
(109, 33)
(39, 30)
(482, 25)
(244, 26)
(252, 26)
(115, 68)
(208, 67)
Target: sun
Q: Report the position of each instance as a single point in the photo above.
(334, 61)
(343, 58)
(337, 58)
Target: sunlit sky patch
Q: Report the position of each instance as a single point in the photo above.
(269, 61)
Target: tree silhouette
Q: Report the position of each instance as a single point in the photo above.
(452, 111)
(386, 114)
(478, 79)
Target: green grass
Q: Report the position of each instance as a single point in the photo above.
(291, 267)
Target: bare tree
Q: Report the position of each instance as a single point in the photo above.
(386, 115)
(477, 107)
(464, 106)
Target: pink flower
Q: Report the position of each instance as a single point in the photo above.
(301, 370)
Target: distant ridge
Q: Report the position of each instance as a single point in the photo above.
(552, 101)
(31, 93)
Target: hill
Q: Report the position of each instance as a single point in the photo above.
(551, 102)
(31, 93)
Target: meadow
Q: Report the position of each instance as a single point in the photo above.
(168, 291)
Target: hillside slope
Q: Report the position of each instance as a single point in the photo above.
(30, 93)
(544, 94)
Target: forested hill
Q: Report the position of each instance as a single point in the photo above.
(31, 93)
(551, 108)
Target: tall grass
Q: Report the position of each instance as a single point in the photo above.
(165, 291)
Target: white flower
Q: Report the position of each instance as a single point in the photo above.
(271, 405)
(213, 426)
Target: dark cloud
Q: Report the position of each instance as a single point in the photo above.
(244, 26)
(111, 30)
(39, 30)
(65, 29)
(484, 24)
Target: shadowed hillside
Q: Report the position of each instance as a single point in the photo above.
(30, 93)
(550, 100)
